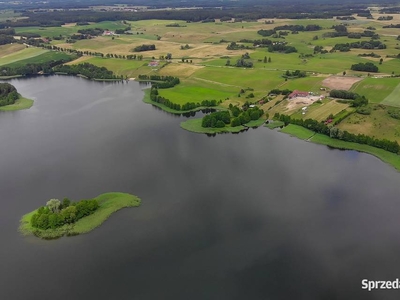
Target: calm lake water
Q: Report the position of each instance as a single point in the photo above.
(256, 215)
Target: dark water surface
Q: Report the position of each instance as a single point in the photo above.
(258, 215)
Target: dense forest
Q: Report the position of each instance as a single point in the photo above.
(8, 94)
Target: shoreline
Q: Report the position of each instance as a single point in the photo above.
(109, 203)
(317, 138)
(146, 99)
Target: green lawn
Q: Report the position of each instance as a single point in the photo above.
(108, 202)
(21, 103)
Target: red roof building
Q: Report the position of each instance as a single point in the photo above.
(297, 93)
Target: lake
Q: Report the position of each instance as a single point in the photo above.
(255, 215)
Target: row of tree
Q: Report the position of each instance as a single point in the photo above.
(56, 213)
(154, 96)
(336, 133)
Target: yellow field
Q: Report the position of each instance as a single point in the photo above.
(20, 55)
(10, 49)
(322, 112)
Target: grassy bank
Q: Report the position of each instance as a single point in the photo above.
(305, 134)
(21, 103)
(108, 204)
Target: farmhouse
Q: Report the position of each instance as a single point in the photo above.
(297, 93)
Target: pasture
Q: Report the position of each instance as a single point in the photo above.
(378, 89)
(25, 53)
(41, 58)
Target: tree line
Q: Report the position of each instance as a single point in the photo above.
(161, 82)
(56, 213)
(32, 68)
(154, 96)
(358, 100)
(88, 70)
(336, 133)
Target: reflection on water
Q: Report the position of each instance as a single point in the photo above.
(257, 215)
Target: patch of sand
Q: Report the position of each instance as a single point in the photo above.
(298, 102)
(340, 82)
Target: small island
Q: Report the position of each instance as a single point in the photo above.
(67, 218)
(11, 100)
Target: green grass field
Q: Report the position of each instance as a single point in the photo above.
(21, 103)
(109, 203)
(21, 55)
(393, 99)
(377, 89)
(130, 68)
(38, 59)
(191, 91)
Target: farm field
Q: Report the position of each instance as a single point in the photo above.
(376, 89)
(378, 124)
(208, 71)
(23, 54)
(41, 58)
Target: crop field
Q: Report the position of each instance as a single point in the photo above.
(322, 111)
(10, 49)
(130, 68)
(23, 54)
(378, 89)
(377, 124)
(41, 58)
(206, 76)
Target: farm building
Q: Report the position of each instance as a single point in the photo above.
(297, 93)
